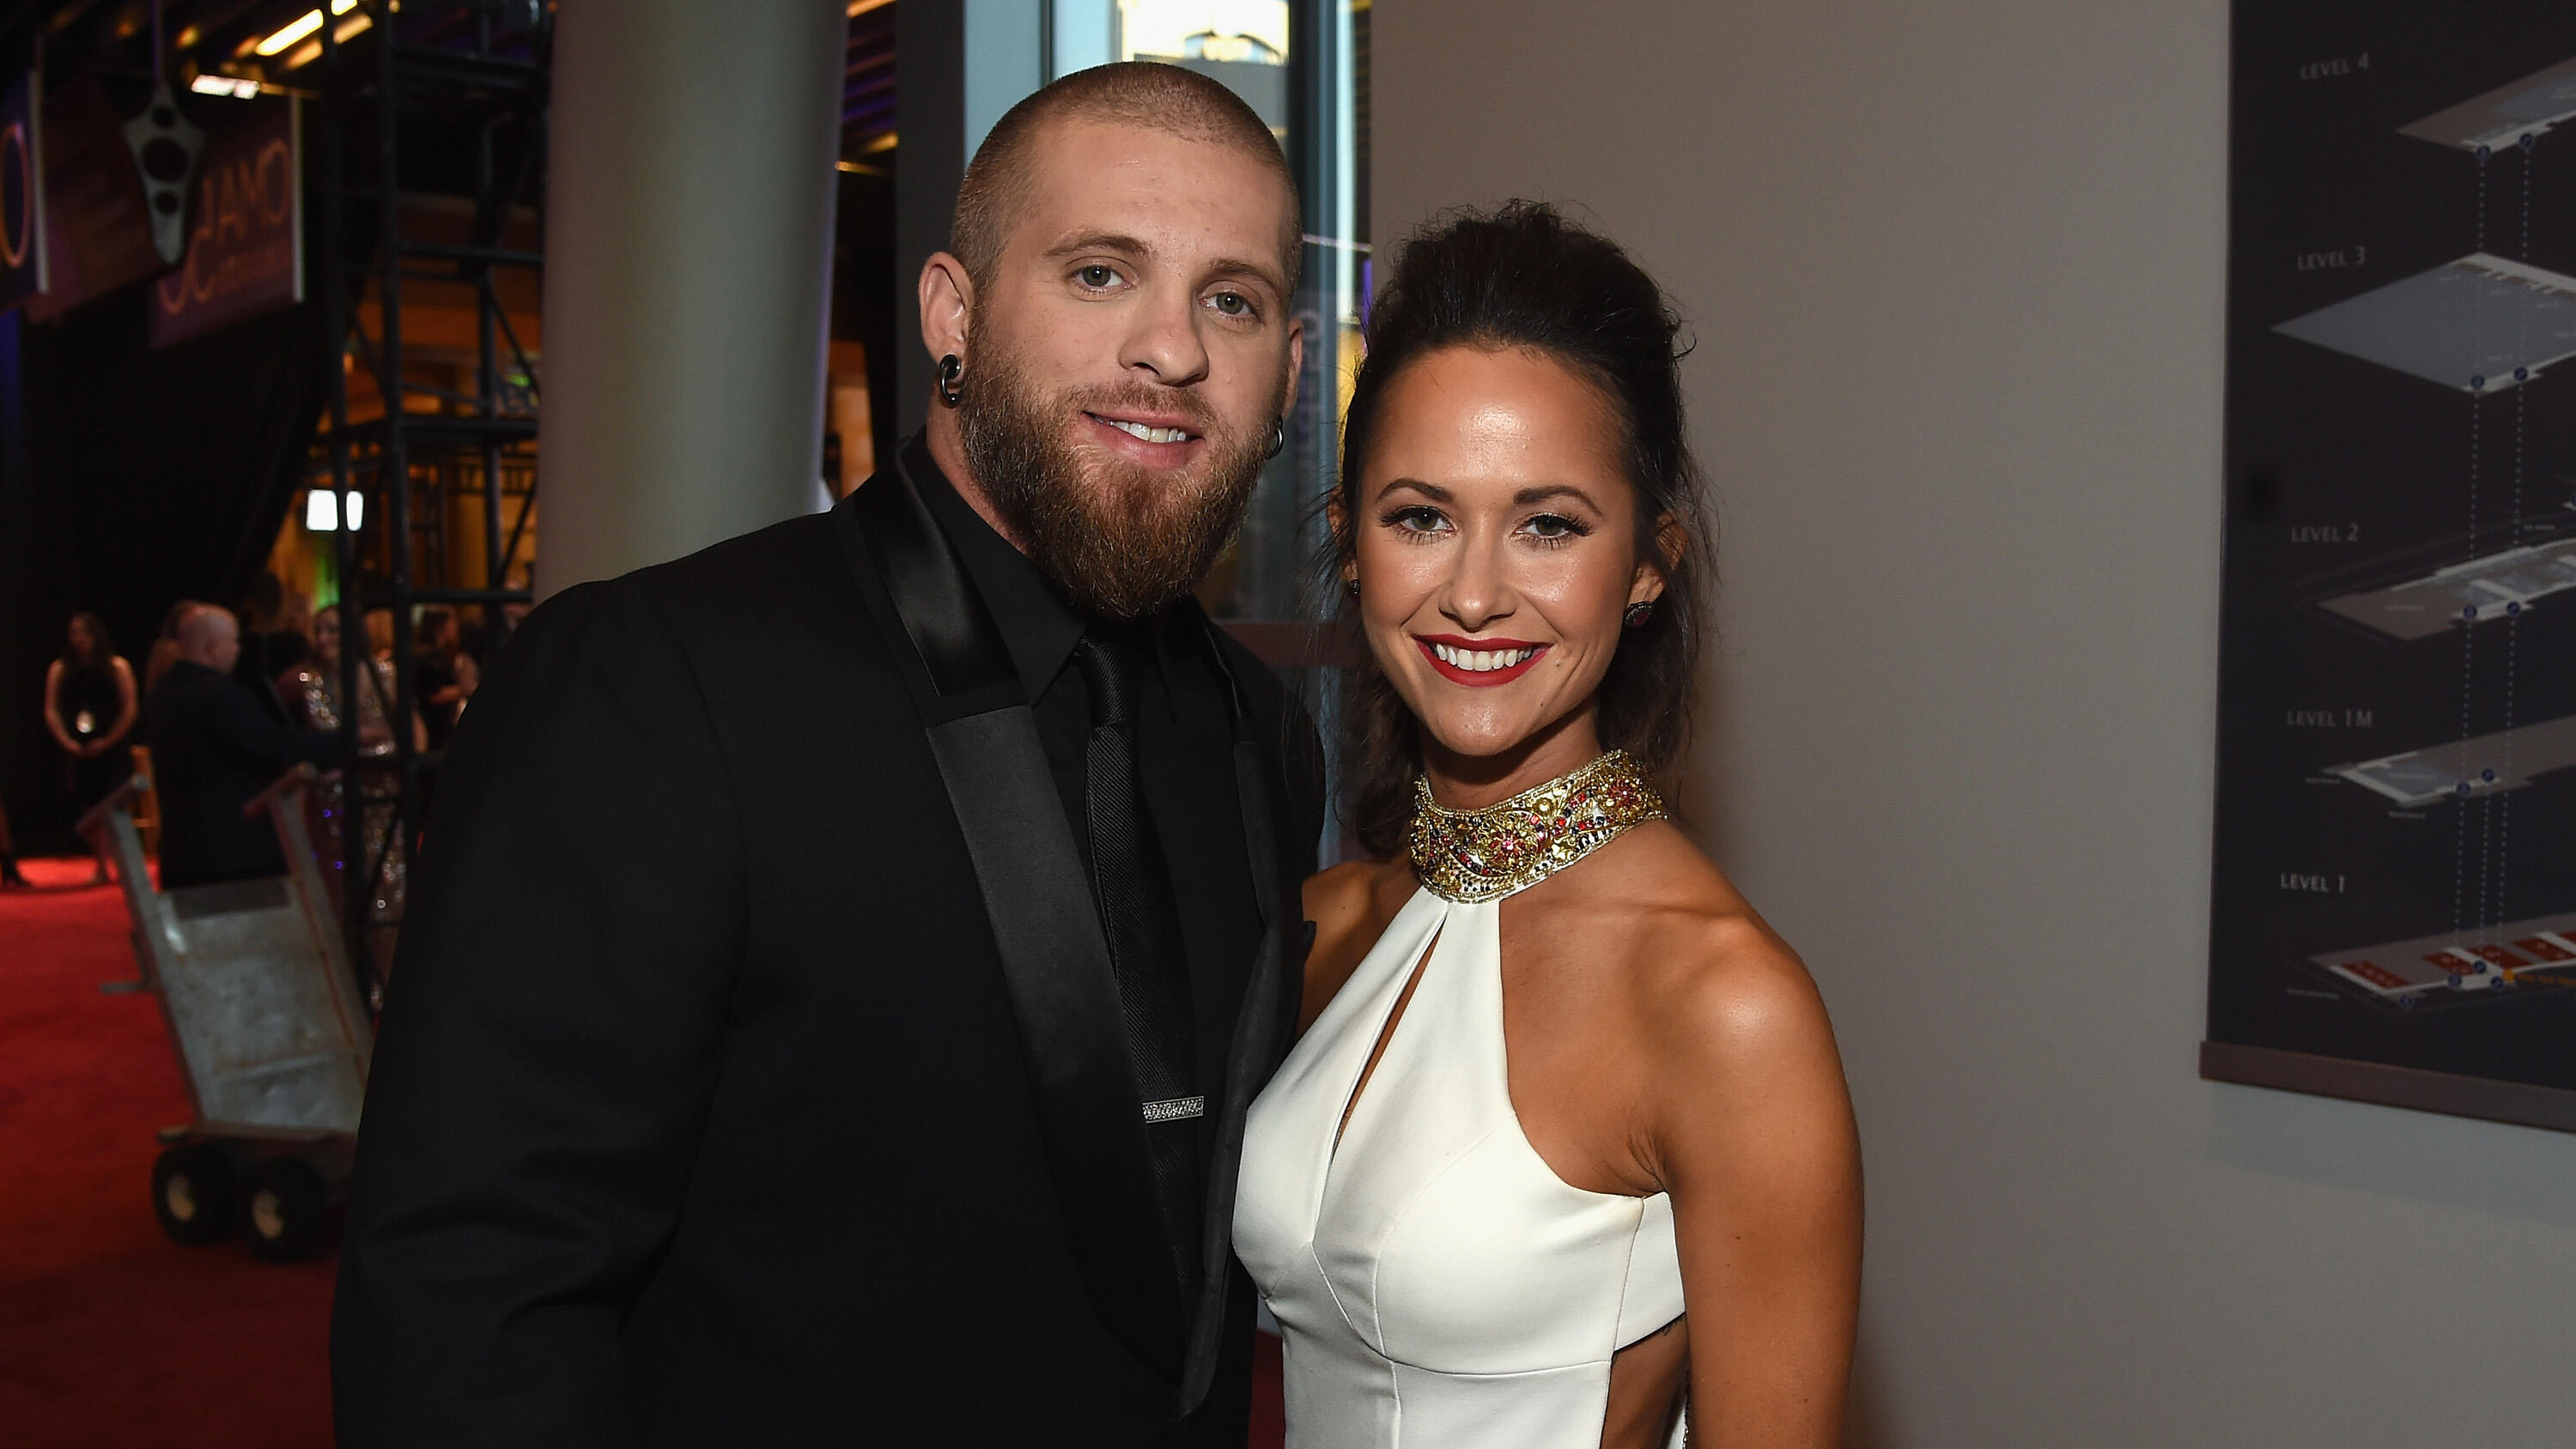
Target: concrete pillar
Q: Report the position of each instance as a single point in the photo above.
(689, 208)
(959, 65)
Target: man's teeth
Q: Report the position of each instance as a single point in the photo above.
(1480, 661)
(1151, 435)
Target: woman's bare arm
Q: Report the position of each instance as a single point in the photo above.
(1754, 1140)
(53, 713)
(126, 706)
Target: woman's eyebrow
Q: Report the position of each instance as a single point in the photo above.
(1432, 491)
(1528, 496)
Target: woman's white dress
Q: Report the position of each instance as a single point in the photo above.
(1438, 1286)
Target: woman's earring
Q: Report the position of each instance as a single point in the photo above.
(1278, 436)
(1353, 585)
(1638, 613)
(950, 369)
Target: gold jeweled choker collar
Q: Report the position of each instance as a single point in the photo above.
(1469, 856)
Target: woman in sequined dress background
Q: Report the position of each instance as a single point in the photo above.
(311, 690)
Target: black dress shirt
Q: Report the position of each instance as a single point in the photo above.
(1185, 740)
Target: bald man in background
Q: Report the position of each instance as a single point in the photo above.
(215, 746)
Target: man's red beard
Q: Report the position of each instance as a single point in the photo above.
(1115, 539)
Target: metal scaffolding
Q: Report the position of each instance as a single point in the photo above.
(470, 77)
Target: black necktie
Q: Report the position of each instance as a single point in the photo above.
(1144, 930)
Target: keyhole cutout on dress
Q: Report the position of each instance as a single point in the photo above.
(1385, 1034)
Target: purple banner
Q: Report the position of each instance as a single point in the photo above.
(22, 194)
(97, 226)
(246, 238)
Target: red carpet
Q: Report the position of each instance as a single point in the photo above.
(110, 1334)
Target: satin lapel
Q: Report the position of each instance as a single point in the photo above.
(1054, 958)
(1261, 1032)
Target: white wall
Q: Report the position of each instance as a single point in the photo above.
(1956, 268)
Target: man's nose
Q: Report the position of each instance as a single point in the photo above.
(1165, 340)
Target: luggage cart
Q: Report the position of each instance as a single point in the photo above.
(271, 1032)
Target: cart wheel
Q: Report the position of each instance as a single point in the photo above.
(282, 1202)
(192, 1193)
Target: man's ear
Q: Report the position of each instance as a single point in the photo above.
(1296, 367)
(1653, 573)
(947, 301)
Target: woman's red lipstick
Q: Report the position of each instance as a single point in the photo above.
(1473, 678)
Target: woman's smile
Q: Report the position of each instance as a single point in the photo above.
(1478, 663)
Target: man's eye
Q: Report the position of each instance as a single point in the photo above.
(1232, 304)
(1096, 276)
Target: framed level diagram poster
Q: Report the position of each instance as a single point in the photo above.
(2394, 912)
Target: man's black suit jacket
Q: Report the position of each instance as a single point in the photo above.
(699, 1112)
(215, 746)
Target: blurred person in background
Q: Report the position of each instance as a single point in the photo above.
(446, 674)
(311, 689)
(295, 617)
(165, 645)
(216, 744)
(495, 623)
(90, 711)
(312, 693)
(9, 872)
(380, 636)
(272, 635)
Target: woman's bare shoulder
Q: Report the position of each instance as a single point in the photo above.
(1336, 891)
(1725, 982)
(1716, 990)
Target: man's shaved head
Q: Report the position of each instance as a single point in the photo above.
(210, 636)
(1141, 93)
(204, 625)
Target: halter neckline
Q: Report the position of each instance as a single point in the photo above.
(1467, 856)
